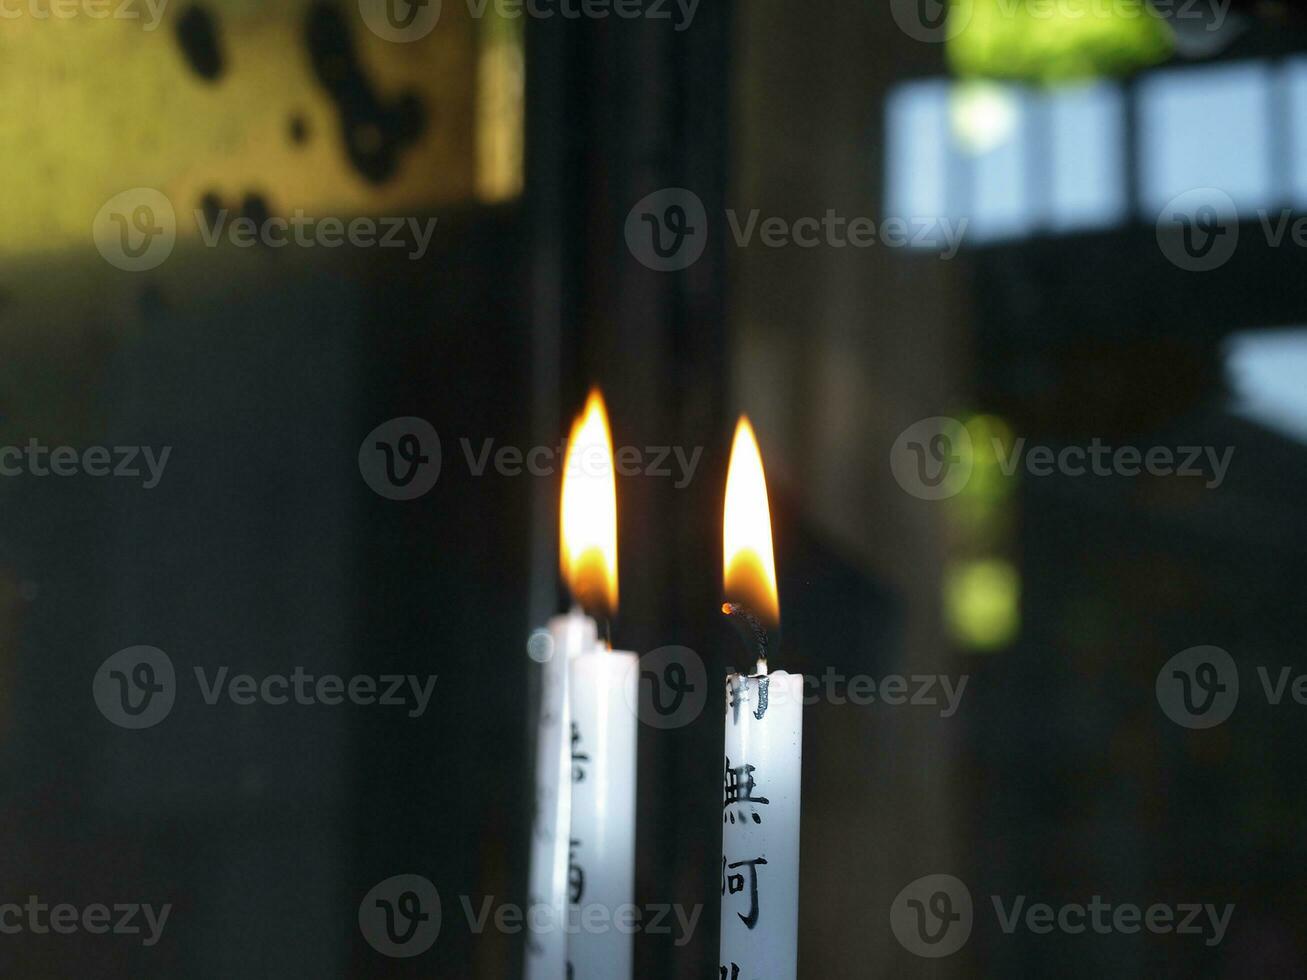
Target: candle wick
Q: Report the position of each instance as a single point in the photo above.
(742, 615)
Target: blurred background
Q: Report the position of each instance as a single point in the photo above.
(1077, 228)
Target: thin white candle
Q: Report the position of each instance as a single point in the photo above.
(760, 826)
(585, 861)
(762, 761)
(604, 684)
(546, 947)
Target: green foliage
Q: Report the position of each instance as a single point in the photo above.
(1054, 40)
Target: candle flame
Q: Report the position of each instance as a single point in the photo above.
(588, 524)
(749, 568)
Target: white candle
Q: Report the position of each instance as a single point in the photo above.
(586, 860)
(764, 746)
(604, 684)
(546, 947)
(760, 826)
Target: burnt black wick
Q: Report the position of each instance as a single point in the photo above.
(750, 628)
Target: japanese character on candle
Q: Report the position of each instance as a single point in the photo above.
(575, 874)
(735, 884)
(579, 759)
(740, 785)
(740, 697)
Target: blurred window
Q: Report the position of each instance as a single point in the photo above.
(1266, 370)
(1016, 161)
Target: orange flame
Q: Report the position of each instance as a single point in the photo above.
(748, 566)
(588, 513)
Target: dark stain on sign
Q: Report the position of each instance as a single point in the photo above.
(197, 33)
(375, 132)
